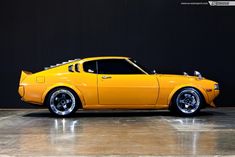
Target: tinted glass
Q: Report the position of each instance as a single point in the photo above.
(146, 69)
(117, 66)
(90, 67)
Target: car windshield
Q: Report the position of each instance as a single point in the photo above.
(146, 69)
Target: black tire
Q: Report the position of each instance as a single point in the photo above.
(186, 102)
(62, 102)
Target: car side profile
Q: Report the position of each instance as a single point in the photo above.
(114, 82)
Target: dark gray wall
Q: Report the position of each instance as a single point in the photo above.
(162, 34)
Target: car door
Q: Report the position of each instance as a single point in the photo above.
(87, 83)
(122, 83)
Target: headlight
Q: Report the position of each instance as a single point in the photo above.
(216, 87)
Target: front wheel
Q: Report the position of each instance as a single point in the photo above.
(62, 102)
(187, 102)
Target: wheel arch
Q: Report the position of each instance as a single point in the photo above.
(176, 89)
(68, 86)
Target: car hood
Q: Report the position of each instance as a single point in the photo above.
(178, 76)
(186, 78)
(183, 78)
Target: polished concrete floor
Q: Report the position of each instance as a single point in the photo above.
(119, 133)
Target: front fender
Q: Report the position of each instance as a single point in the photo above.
(77, 91)
(203, 92)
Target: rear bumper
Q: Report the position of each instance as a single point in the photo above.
(21, 91)
(30, 94)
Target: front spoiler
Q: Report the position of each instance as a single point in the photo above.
(212, 104)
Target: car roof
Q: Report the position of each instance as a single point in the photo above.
(104, 57)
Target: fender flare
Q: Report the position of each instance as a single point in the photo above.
(203, 92)
(77, 91)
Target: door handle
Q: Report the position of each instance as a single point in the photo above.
(106, 77)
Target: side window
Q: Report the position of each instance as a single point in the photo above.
(90, 67)
(117, 66)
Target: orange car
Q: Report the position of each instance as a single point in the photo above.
(114, 83)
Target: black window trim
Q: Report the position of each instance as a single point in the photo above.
(127, 60)
(135, 65)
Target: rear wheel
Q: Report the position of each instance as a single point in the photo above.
(62, 102)
(187, 102)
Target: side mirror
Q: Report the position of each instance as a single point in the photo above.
(154, 71)
(198, 74)
(185, 74)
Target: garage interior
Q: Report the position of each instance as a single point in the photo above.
(163, 35)
(119, 133)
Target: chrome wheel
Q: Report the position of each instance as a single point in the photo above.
(188, 101)
(62, 102)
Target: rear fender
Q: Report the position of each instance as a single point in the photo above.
(24, 74)
(77, 91)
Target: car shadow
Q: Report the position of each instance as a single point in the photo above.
(118, 113)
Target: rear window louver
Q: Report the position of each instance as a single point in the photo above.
(69, 61)
(76, 68)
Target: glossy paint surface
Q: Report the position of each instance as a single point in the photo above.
(121, 133)
(136, 91)
(128, 89)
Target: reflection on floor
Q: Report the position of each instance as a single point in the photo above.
(122, 133)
